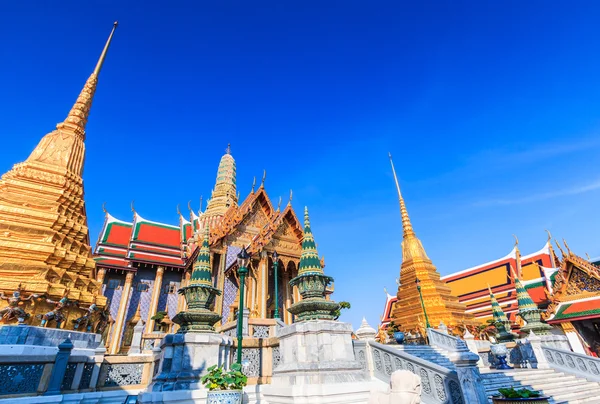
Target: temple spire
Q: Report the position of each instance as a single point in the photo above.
(78, 116)
(309, 259)
(406, 224)
(501, 321)
(105, 50)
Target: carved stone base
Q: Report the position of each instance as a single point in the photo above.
(317, 358)
(316, 308)
(185, 358)
(534, 323)
(196, 320)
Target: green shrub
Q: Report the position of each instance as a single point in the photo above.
(218, 379)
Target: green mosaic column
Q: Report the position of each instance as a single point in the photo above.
(529, 311)
(311, 282)
(199, 295)
(500, 320)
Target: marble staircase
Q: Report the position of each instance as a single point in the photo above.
(563, 388)
(429, 353)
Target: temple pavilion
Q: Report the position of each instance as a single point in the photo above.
(142, 263)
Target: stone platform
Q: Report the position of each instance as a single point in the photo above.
(39, 336)
(318, 366)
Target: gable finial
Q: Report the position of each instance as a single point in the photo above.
(190, 205)
(516, 241)
(104, 207)
(133, 207)
(567, 246)
(549, 236)
(200, 208)
(253, 184)
(178, 211)
(262, 183)
(588, 257)
(279, 205)
(291, 196)
(559, 247)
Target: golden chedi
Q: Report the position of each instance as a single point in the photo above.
(439, 304)
(44, 241)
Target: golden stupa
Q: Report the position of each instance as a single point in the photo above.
(44, 239)
(440, 304)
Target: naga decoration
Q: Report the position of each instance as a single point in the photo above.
(13, 310)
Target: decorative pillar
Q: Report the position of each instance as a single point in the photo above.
(154, 300)
(472, 345)
(60, 367)
(115, 342)
(100, 275)
(287, 298)
(264, 285)
(221, 282)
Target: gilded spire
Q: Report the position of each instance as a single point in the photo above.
(290, 201)
(406, 225)
(309, 259)
(78, 116)
(201, 273)
(411, 245)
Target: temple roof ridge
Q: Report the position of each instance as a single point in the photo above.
(111, 219)
(511, 255)
(140, 219)
(544, 250)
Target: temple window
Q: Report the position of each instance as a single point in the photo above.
(171, 288)
(142, 287)
(113, 284)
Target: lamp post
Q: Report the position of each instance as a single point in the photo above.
(243, 258)
(418, 282)
(276, 283)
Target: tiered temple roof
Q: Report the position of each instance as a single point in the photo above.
(537, 271)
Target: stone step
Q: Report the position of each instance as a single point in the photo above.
(539, 385)
(571, 397)
(532, 380)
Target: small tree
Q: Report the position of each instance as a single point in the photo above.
(343, 306)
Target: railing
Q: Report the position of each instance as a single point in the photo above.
(438, 384)
(445, 341)
(571, 362)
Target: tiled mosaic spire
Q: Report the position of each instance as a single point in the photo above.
(312, 282)
(496, 309)
(201, 274)
(502, 323)
(529, 311)
(523, 299)
(309, 260)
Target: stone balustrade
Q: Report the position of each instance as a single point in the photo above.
(28, 370)
(571, 362)
(438, 384)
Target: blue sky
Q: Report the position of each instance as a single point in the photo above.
(492, 113)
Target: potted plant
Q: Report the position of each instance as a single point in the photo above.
(512, 396)
(393, 330)
(225, 387)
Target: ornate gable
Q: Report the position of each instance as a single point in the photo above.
(576, 279)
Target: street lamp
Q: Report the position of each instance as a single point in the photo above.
(276, 278)
(243, 258)
(418, 282)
